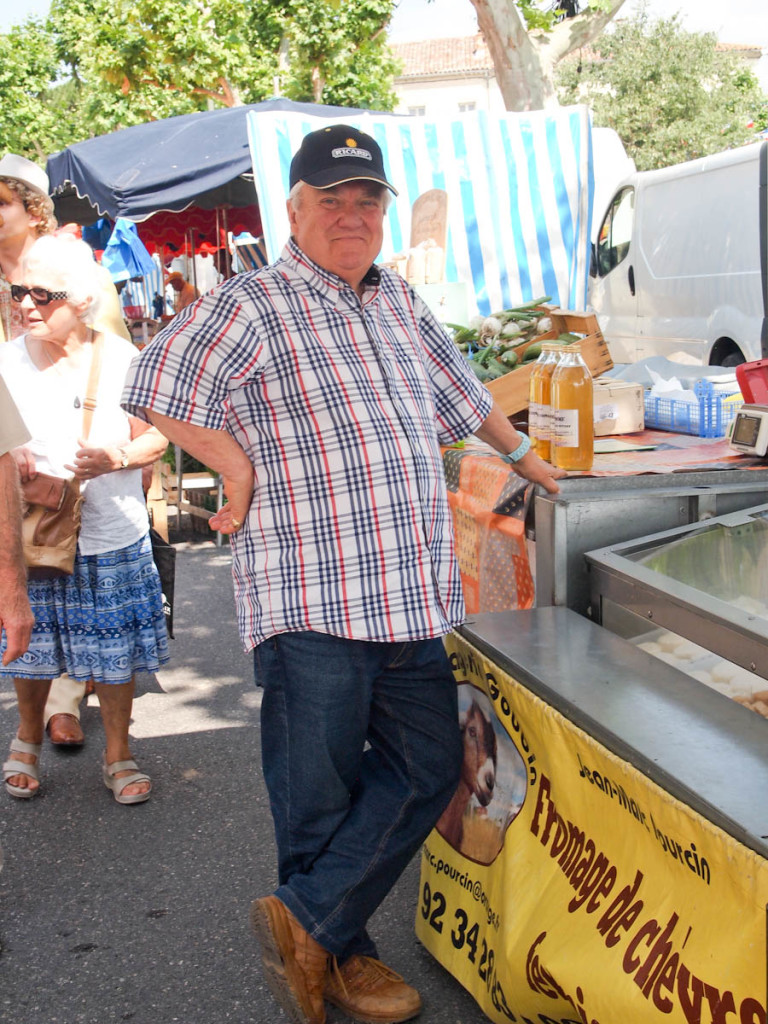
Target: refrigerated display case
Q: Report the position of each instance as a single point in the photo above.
(637, 774)
(696, 597)
(593, 512)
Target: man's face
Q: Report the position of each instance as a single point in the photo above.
(340, 228)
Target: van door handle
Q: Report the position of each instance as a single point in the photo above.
(631, 279)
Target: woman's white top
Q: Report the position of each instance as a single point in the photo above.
(114, 512)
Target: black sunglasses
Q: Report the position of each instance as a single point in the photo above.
(40, 296)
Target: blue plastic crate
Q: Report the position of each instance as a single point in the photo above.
(709, 415)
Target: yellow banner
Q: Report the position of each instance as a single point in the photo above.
(562, 886)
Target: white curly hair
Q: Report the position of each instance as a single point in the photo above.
(65, 263)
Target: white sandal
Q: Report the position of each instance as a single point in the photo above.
(108, 772)
(15, 767)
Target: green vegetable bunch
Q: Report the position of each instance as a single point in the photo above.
(496, 344)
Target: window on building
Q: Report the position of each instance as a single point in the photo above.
(464, 108)
(417, 111)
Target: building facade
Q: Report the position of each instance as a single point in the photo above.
(452, 75)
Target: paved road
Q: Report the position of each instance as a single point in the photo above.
(114, 914)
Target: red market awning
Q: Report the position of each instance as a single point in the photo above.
(198, 229)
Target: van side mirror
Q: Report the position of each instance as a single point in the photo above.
(592, 260)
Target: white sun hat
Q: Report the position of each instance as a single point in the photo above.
(12, 166)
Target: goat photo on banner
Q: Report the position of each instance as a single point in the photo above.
(493, 782)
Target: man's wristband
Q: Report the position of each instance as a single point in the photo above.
(522, 449)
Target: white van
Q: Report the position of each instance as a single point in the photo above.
(680, 265)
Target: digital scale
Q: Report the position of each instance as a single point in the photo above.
(749, 434)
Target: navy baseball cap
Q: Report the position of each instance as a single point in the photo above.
(334, 155)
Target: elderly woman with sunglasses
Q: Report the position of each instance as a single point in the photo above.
(105, 622)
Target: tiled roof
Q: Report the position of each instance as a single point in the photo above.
(465, 54)
(741, 49)
(469, 54)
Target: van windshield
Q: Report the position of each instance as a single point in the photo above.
(616, 232)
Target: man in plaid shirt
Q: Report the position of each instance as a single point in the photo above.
(321, 388)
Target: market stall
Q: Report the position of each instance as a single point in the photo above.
(612, 863)
(186, 182)
(619, 869)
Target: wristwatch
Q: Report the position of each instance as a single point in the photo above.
(522, 449)
(124, 456)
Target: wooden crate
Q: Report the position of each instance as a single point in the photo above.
(511, 391)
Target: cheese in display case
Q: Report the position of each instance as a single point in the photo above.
(696, 596)
(731, 680)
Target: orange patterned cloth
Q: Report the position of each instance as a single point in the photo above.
(489, 504)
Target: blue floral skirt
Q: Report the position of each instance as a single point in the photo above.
(104, 622)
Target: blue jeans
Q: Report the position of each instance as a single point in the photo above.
(361, 753)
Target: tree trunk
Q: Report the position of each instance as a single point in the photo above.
(318, 84)
(524, 61)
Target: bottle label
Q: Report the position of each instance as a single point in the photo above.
(534, 419)
(546, 423)
(566, 428)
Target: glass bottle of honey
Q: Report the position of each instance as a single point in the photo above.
(572, 409)
(540, 403)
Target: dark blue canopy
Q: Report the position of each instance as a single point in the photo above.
(201, 159)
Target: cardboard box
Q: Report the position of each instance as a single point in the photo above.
(619, 407)
(511, 390)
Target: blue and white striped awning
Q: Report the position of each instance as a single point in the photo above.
(520, 190)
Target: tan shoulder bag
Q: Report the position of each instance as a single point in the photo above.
(51, 522)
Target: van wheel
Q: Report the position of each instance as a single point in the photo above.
(733, 359)
(725, 352)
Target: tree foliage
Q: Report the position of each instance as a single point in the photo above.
(669, 94)
(150, 58)
(340, 53)
(29, 121)
(98, 65)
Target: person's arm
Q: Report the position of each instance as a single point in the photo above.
(146, 446)
(498, 432)
(218, 450)
(451, 375)
(15, 613)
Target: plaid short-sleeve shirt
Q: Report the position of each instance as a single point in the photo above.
(341, 405)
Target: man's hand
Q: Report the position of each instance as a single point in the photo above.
(499, 433)
(220, 452)
(225, 520)
(532, 468)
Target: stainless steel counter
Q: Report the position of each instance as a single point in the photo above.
(593, 512)
(701, 747)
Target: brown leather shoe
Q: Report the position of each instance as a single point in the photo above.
(64, 731)
(369, 992)
(295, 966)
